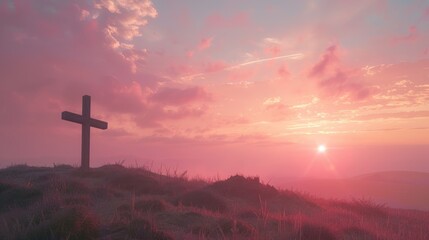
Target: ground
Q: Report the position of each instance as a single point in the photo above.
(115, 202)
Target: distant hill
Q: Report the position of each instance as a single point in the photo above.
(114, 202)
(401, 189)
(402, 177)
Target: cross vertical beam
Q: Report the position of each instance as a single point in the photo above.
(86, 130)
(87, 122)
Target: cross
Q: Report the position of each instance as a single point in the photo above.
(87, 122)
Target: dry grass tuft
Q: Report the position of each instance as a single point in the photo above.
(138, 183)
(314, 232)
(355, 233)
(363, 206)
(203, 199)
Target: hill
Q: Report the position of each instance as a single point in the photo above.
(114, 202)
(400, 189)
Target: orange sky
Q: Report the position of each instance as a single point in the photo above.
(250, 87)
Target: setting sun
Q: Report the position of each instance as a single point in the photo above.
(321, 149)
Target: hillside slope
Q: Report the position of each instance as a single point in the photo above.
(113, 202)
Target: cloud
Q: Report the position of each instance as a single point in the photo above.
(215, 66)
(336, 80)
(272, 47)
(278, 110)
(155, 115)
(214, 139)
(283, 72)
(175, 96)
(272, 101)
(412, 36)
(394, 115)
(294, 56)
(75, 32)
(205, 43)
(340, 83)
(329, 60)
(52, 54)
(218, 66)
(123, 19)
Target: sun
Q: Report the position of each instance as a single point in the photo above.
(321, 148)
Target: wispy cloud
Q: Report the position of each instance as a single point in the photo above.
(295, 56)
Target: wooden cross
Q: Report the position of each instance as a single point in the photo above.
(87, 122)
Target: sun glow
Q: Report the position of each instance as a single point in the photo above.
(321, 149)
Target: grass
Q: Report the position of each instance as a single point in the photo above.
(114, 202)
(12, 195)
(203, 199)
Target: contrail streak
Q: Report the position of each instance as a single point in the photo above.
(289, 56)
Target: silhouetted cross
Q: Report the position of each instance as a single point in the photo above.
(87, 122)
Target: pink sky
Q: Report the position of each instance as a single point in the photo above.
(219, 87)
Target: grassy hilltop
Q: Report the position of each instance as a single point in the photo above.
(114, 202)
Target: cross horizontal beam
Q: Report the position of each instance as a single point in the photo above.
(72, 117)
(76, 118)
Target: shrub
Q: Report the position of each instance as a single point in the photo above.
(17, 196)
(63, 167)
(203, 199)
(54, 182)
(150, 205)
(70, 223)
(71, 187)
(247, 188)
(142, 229)
(136, 182)
(314, 232)
(231, 227)
(185, 221)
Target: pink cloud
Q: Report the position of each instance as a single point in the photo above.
(329, 60)
(273, 50)
(205, 43)
(283, 72)
(278, 112)
(153, 117)
(69, 28)
(190, 53)
(180, 69)
(215, 66)
(175, 96)
(336, 80)
(412, 35)
(272, 47)
(394, 115)
(340, 83)
(49, 59)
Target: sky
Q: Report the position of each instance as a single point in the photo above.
(216, 88)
